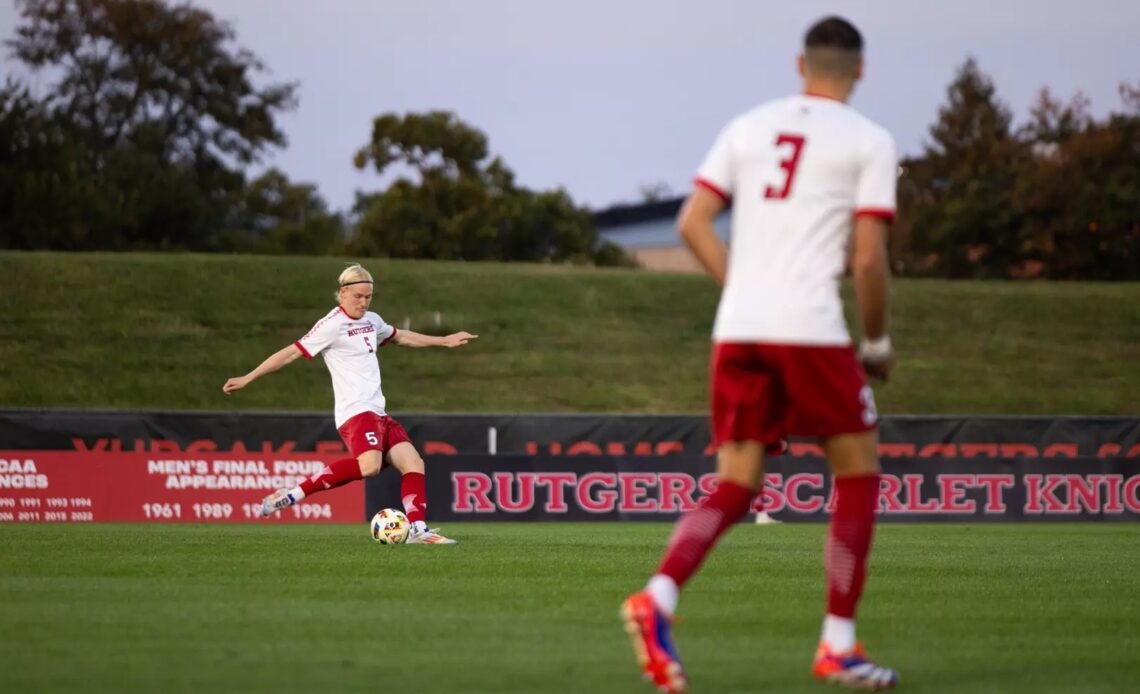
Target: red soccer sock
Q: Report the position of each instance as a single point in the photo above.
(333, 475)
(699, 529)
(414, 497)
(849, 542)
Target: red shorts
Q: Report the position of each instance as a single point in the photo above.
(369, 431)
(765, 392)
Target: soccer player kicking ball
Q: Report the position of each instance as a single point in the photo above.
(809, 178)
(349, 336)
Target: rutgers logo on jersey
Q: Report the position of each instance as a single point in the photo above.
(365, 333)
(366, 328)
(349, 337)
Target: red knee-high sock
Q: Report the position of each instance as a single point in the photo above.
(699, 529)
(333, 475)
(414, 497)
(849, 542)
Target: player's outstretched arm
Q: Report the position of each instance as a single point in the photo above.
(409, 338)
(274, 362)
(695, 224)
(870, 273)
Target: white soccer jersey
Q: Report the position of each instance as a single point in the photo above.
(798, 171)
(349, 346)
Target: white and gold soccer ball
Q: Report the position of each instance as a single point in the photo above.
(390, 527)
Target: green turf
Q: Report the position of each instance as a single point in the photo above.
(532, 608)
(149, 331)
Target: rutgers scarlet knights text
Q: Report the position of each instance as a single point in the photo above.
(797, 495)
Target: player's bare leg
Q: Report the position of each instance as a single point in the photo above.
(648, 615)
(840, 659)
(406, 459)
(333, 475)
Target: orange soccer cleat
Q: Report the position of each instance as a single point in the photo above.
(649, 630)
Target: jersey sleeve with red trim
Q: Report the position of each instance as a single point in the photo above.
(384, 332)
(319, 338)
(718, 171)
(878, 179)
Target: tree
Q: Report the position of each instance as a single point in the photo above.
(451, 211)
(1080, 192)
(1052, 122)
(1058, 197)
(124, 64)
(281, 217)
(38, 186)
(440, 217)
(1042, 195)
(433, 141)
(49, 195)
(162, 111)
(957, 194)
(455, 204)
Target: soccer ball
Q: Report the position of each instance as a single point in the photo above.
(390, 527)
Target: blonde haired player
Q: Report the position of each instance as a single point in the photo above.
(348, 337)
(808, 178)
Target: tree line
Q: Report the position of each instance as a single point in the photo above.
(155, 114)
(1056, 197)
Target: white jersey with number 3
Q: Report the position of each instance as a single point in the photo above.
(798, 170)
(349, 346)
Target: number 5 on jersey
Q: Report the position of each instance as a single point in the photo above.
(788, 164)
(372, 439)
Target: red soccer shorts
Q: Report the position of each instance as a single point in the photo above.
(765, 392)
(369, 431)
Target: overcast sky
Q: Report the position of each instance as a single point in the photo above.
(603, 97)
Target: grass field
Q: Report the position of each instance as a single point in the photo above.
(148, 331)
(532, 608)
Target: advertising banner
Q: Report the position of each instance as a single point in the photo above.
(128, 487)
(207, 466)
(548, 435)
(493, 488)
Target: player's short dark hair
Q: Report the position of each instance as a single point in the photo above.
(833, 48)
(834, 32)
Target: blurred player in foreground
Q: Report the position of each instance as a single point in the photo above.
(349, 336)
(812, 185)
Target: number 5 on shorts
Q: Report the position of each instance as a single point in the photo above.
(372, 438)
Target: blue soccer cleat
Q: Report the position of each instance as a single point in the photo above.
(852, 669)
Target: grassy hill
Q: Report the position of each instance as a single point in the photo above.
(165, 331)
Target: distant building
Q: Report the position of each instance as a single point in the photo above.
(648, 232)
